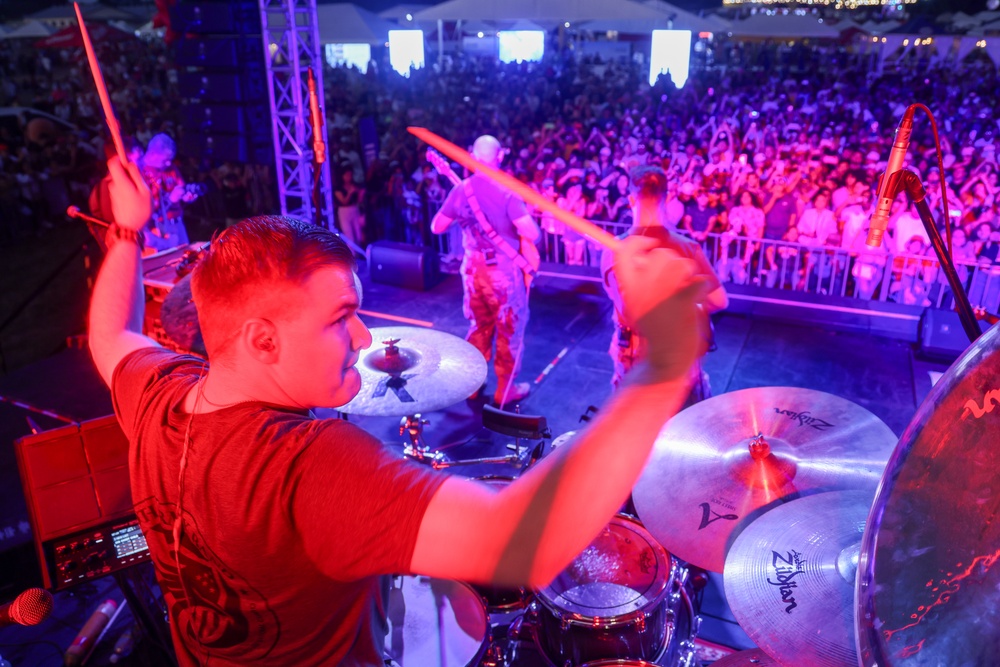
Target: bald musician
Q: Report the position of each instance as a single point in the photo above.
(495, 297)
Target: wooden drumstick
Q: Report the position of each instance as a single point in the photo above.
(102, 90)
(578, 224)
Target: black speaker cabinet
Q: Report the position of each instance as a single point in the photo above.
(403, 265)
(942, 335)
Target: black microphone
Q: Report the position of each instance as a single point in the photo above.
(886, 194)
(29, 608)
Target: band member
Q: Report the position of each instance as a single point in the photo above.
(99, 200)
(647, 194)
(166, 227)
(270, 530)
(495, 293)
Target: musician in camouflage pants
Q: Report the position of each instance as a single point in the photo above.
(495, 296)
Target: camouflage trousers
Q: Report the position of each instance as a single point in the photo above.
(496, 304)
(625, 354)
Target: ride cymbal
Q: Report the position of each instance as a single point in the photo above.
(721, 462)
(409, 370)
(790, 575)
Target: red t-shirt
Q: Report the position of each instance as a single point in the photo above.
(288, 521)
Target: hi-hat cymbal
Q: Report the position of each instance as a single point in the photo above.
(753, 657)
(422, 370)
(179, 317)
(718, 463)
(790, 577)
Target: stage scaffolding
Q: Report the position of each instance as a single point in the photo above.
(290, 31)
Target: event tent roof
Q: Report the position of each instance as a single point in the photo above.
(91, 12)
(783, 26)
(344, 23)
(31, 29)
(70, 37)
(539, 11)
(711, 22)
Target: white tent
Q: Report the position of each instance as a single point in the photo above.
(784, 26)
(709, 23)
(539, 11)
(879, 27)
(671, 18)
(344, 23)
(28, 30)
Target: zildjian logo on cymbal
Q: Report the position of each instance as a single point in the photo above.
(791, 565)
(805, 419)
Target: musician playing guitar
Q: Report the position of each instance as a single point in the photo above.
(495, 276)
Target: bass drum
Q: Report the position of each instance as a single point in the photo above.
(434, 622)
(622, 598)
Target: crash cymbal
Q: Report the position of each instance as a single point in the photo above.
(930, 557)
(720, 462)
(409, 370)
(790, 577)
(179, 317)
(753, 657)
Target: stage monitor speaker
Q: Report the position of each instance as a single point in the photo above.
(403, 265)
(942, 335)
(236, 17)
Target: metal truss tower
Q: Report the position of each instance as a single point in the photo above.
(290, 31)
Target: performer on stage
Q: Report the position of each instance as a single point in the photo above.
(271, 530)
(495, 293)
(648, 189)
(166, 228)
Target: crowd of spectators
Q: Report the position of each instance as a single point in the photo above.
(53, 136)
(758, 154)
(778, 144)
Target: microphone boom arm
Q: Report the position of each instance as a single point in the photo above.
(914, 188)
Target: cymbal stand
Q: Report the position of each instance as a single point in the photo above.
(417, 449)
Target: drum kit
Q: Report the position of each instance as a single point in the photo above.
(839, 545)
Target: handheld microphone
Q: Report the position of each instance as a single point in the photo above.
(29, 608)
(886, 190)
(316, 121)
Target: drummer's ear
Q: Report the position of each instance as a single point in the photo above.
(259, 337)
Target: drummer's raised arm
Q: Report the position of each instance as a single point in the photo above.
(117, 305)
(530, 531)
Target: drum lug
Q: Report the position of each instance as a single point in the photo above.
(493, 657)
(515, 628)
(640, 622)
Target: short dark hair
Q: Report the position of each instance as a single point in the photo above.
(247, 259)
(648, 182)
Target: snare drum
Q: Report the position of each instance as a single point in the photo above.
(434, 622)
(622, 598)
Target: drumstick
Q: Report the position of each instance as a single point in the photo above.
(102, 90)
(578, 224)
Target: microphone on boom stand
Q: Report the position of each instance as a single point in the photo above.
(318, 145)
(888, 186)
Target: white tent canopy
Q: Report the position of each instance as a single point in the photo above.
(539, 11)
(344, 23)
(708, 23)
(29, 29)
(786, 26)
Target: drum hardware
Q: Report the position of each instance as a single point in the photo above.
(765, 446)
(516, 425)
(790, 577)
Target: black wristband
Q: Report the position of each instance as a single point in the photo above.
(116, 234)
